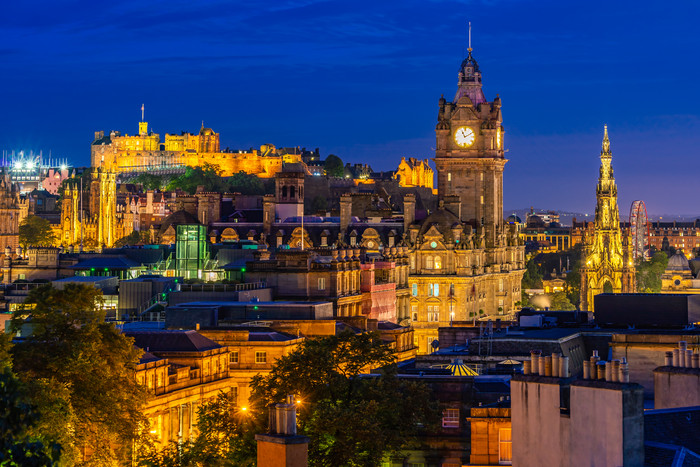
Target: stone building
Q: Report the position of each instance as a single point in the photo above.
(9, 214)
(414, 172)
(146, 151)
(466, 262)
(90, 215)
(607, 255)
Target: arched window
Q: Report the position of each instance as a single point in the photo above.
(284, 191)
(438, 262)
(428, 262)
(291, 191)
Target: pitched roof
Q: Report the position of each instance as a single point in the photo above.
(172, 341)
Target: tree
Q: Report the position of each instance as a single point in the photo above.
(649, 273)
(207, 175)
(150, 181)
(246, 184)
(334, 166)
(350, 419)
(79, 370)
(560, 302)
(134, 238)
(532, 279)
(35, 231)
(17, 447)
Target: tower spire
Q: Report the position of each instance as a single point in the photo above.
(470, 38)
(606, 141)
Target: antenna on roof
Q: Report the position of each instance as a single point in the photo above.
(143, 108)
(470, 37)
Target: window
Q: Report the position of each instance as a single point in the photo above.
(500, 285)
(428, 262)
(324, 241)
(260, 357)
(233, 356)
(505, 446)
(482, 199)
(438, 262)
(414, 313)
(353, 240)
(414, 290)
(433, 313)
(449, 176)
(434, 290)
(450, 418)
(321, 283)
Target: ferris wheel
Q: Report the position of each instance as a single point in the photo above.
(639, 228)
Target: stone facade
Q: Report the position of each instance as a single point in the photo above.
(92, 217)
(9, 214)
(146, 151)
(414, 172)
(607, 255)
(466, 262)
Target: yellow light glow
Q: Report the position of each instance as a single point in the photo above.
(464, 137)
(243, 409)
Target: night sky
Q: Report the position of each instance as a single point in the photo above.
(362, 80)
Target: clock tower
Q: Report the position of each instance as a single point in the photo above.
(469, 155)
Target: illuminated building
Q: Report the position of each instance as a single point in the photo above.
(32, 172)
(414, 172)
(91, 218)
(9, 214)
(146, 152)
(466, 263)
(182, 370)
(678, 277)
(607, 256)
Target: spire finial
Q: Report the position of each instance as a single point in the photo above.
(606, 140)
(143, 108)
(470, 37)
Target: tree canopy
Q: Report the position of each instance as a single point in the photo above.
(649, 273)
(35, 231)
(79, 373)
(351, 418)
(334, 166)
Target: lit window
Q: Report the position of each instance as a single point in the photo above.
(260, 357)
(321, 283)
(428, 262)
(450, 418)
(449, 176)
(505, 446)
(233, 356)
(438, 262)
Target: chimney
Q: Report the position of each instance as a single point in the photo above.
(345, 211)
(409, 210)
(282, 447)
(269, 206)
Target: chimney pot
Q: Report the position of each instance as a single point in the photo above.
(668, 359)
(548, 365)
(675, 357)
(564, 367)
(586, 369)
(688, 358)
(600, 371)
(696, 360)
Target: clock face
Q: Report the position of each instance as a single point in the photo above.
(433, 244)
(464, 137)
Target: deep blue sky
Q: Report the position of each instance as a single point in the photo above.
(362, 79)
